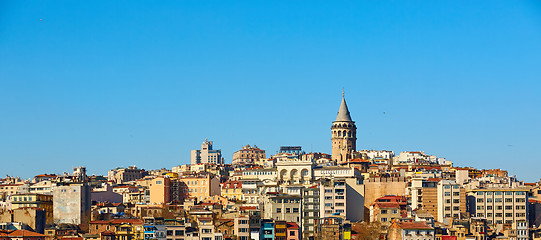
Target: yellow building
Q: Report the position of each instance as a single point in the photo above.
(198, 187)
(35, 200)
(232, 190)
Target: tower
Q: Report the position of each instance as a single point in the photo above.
(344, 135)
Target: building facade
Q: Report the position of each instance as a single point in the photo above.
(248, 155)
(206, 154)
(499, 206)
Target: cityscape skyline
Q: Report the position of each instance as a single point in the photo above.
(109, 85)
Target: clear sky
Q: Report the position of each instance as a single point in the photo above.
(105, 84)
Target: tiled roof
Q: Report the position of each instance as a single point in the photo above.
(292, 225)
(414, 225)
(25, 233)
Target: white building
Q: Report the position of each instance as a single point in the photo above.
(451, 200)
(207, 154)
(499, 206)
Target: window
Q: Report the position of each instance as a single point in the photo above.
(288, 210)
(278, 210)
(383, 219)
(383, 211)
(295, 210)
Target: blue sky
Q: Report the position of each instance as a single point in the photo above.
(117, 83)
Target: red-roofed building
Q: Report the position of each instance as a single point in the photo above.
(292, 231)
(231, 190)
(21, 235)
(387, 208)
(43, 177)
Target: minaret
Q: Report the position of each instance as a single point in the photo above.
(344, 135)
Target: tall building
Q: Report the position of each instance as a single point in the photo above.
(424, 195)
(248, 155)
(344, 135)
(71, 203)
(207, 154)
(160, 190)
(451, 200)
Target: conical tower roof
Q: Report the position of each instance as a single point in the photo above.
(343, 112)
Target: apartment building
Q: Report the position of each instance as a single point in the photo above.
(35, 200)
(282, 207)
(160, 190)
(333, 198)
(424, 195)
(207, 154)
(310, 211)
(242, 227)
(451, 200)
(122, 175)
(71, 203)
(248, 155)
(198, 186)
(231, 190)
(410, 231)
(499, 206)
(387, 208)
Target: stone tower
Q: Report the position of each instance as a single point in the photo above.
(344, 135)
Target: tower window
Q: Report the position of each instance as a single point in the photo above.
(339, 133)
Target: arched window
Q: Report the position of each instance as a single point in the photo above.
(349, 134)
(339, 133)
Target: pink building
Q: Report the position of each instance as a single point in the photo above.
(292, 231)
